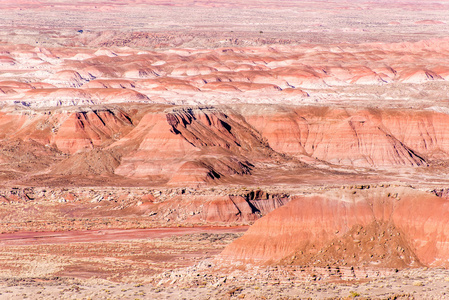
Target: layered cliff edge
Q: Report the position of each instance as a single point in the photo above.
(386, 227)
(180, 145)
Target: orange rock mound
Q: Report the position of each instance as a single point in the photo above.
(373, 227)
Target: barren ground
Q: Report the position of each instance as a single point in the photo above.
(224, 149)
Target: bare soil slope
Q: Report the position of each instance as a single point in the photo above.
(369, 227)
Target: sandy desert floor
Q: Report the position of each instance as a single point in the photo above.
(178, 264)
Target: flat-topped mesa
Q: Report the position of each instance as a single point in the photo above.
(196, 145)
(376, 227)
(354, 137)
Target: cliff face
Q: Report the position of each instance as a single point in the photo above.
(94, 111)
(197, 145)
(367, 138)
(372, 227)
(191, 145)
(69, 131)
(230, 209)
(45, 209)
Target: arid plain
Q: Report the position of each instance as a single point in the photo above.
(224, 149)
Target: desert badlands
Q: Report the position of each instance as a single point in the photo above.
(224, 149)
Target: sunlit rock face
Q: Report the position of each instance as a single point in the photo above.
(368, 227)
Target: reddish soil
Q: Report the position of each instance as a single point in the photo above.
(139, 140)
(65, 237)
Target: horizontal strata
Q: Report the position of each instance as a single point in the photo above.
(384, 73)
(390, 227)
(223, 144)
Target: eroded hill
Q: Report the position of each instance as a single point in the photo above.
(158, 144)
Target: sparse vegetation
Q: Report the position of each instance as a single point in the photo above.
(354, 294)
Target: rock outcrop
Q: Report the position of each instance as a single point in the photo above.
(198, 145)
(230, 209)
(373, 227)
(191, 145)
(366, 138)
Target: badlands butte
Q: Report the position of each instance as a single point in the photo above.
(218, 150)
